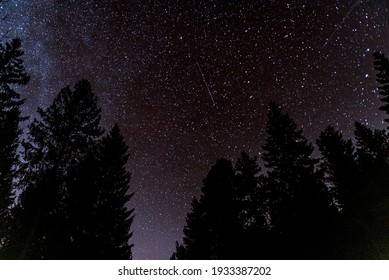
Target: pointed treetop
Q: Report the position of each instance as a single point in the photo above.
(285, 142)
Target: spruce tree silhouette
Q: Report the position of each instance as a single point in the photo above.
(252, 233)
(98, 200)
(371, 212)
(209, 232)
(12, 72)
(299, 202)
(381, 64)
(57, 143)
(229, 221)
(339, 164)
(363, 191)
(368, 216)
(342, 175)
(113, 216)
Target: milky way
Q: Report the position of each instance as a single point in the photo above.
(189, 81)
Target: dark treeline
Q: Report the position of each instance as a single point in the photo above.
(64, 188)
(65, 193)
(299, 206)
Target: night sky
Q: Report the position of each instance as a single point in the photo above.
(189, 81)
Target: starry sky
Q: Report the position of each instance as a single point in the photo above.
(189, 81)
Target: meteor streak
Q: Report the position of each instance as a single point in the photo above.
(206, 84)
(341, 23)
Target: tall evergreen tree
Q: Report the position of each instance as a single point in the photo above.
(342, 175)
(370, 215)
(58, 141)
(339, 165)
(98, 202)
(12, 72)
(210, 229)
(369, 218)
(381, 64)
(229, 221)
(252, 235)
(299, 200)
(113, 216)
(246, 187)
(361, 179)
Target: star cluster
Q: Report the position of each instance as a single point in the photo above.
(189, 81)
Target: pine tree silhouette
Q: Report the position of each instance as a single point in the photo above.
(339, 165)
(381, 64)
(114, 218)
(12, 72)
(299, 200)
(98, 200)
(209, 232)
(229, 221)
(370, 214)
(342, 175)
(57, 143)
(252, 232)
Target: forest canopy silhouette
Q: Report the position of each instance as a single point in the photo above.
(335, 206)
(65, 188)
